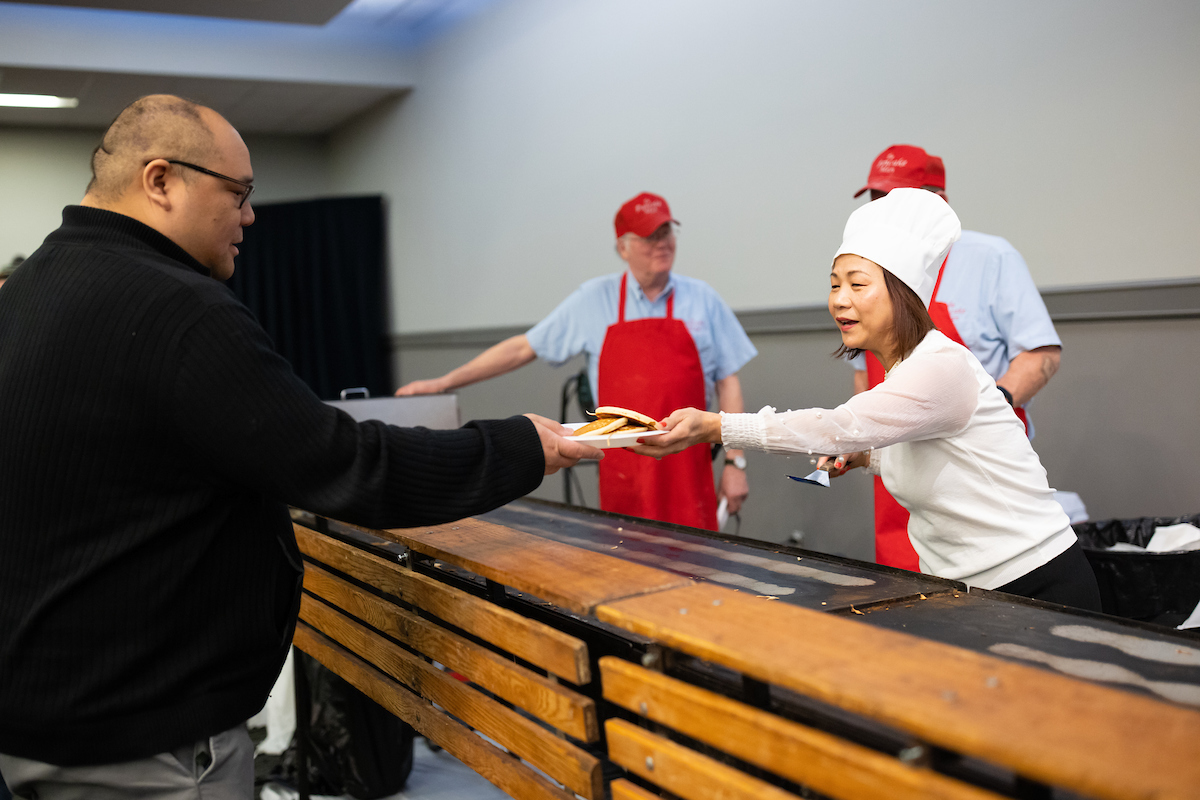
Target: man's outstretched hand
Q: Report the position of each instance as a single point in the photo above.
(559, 449)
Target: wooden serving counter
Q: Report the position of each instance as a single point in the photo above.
(607, 656)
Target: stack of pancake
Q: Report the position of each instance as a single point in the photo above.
(613, 419)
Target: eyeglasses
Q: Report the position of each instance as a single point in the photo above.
(660, 234)
(249, 187)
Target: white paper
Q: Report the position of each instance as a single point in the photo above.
(1193, 621)
(722, 513)
(1173, 538)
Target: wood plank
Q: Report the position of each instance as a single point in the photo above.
(1057, 730)
(539, 644)
(558, 758)
(681, 771)
(503, 770)
(566, 576)
(569, 711)
(624, 790)
(813, 758)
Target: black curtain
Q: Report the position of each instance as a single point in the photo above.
(313, 274)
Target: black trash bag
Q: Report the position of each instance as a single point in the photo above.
(354, 746)
(1162, 588)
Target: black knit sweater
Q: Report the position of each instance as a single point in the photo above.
(150, 438)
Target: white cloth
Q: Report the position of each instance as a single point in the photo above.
(950, 450)
(907, 233)
(278, 716)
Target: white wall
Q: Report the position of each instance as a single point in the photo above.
(42, 170)
(1068, 127)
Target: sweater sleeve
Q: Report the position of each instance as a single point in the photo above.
(928, 396)
(253, 424)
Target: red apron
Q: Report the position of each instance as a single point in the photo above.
(652, 366)
(892, 545)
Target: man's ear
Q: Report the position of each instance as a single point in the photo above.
(622, 251)
(157, 183)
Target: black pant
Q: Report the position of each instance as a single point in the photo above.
(1066, 579)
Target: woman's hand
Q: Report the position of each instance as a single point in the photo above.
(685, 427)
(844, 463)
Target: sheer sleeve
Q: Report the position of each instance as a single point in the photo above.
(927, 396)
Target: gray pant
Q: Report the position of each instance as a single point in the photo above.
(220, 767)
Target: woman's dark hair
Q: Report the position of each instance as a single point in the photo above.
(910, 318)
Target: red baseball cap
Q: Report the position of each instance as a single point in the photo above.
(935, 173)
(642, 215)
(901, 166)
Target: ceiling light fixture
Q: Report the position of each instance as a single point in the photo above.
(37, 101)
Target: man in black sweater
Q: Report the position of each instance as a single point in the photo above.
(150, 439)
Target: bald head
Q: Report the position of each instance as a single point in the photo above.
(155, 126)
(181, 169)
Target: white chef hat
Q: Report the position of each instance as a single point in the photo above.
(908, 233)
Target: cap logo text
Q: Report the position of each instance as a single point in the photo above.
(890, 163)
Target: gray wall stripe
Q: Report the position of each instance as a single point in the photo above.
(1151, 300)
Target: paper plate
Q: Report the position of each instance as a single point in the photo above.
(606, 441)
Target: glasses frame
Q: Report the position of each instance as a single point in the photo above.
(249, 187)
(668, 230)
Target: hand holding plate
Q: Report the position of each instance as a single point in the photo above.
(685, 427)
(559, 450)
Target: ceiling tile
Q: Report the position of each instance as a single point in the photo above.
(252, 106)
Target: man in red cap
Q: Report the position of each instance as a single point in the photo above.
(655, 343)
(986, 300)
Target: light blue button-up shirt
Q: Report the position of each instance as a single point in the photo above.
(579, 324)
(993, 302)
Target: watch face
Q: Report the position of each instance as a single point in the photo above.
(739, 462)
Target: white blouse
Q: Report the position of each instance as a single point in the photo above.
(949, 449)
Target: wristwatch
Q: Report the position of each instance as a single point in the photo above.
(736, 461)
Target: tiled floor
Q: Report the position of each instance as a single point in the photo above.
(441, 776)
(435, 776)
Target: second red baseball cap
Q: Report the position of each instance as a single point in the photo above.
(642, 215)
(901, 166)
(935, 172)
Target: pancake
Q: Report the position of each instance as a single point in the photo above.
(601, 426)
(633, 416)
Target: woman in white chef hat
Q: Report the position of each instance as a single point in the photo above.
(945, 441)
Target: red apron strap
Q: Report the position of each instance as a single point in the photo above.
(621, 307)
(671, 305)
(941, 272)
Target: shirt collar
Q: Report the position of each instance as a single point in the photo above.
(87, 223)
(639, 293)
